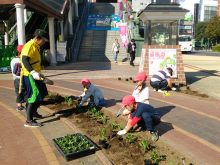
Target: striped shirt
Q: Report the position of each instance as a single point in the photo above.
(160, 75)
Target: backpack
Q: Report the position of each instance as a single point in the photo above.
(17, 69)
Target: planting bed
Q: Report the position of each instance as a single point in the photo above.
(119, 152)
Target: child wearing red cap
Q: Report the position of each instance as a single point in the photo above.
(93, 92)
(141, 92)
(16, 69)
(141, 111)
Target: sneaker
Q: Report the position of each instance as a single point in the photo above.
(154, 136)
(115, 61)
(155, 89)
(161, 91)
(32, 123)
(37, 115)
(21, 108)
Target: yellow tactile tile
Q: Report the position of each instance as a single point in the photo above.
(50, 157)
(47, 149)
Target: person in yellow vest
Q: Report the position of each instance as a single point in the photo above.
(31, 71)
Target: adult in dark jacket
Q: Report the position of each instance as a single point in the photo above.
(131, 50)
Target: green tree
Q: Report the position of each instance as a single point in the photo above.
(200, 31)
(213, 28)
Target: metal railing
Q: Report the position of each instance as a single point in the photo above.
(7, 53)
(80, 26)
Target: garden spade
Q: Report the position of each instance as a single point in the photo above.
(120, 111)
(46, 80)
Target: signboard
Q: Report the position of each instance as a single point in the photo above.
(102, 22)
(61, 51)
(120, 3)
(141, 66)
(160, 59)
(123, 34)
(187, 27)
(188, 17)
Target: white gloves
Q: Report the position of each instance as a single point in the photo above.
(122, 132)
(35, 75)
(174, 89)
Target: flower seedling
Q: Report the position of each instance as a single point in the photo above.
(70, 101)
(119, 127)
(144, 144)
(112, 125)
(104, 119)
(48, 96)
(82, 163)
(129, 138)
(79, 109)
(155, 157)
(171, 163)
(66, 98)
(103, 135)
(57, 97)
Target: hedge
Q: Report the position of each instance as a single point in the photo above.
(216, 48)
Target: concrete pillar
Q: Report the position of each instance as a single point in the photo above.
(61, 29)
(25, 16)
(20, 23)
(53, 59)
(76, 9)
(6, 33)
(70, 20)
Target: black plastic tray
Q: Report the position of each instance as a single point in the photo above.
(78, 154)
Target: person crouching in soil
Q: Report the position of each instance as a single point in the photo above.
(138, 111)
(93, 92)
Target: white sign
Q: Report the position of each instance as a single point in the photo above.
(141, 66)
(186, 27)
(61, 51)
(160, 59)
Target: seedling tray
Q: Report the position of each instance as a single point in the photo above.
(77, 154)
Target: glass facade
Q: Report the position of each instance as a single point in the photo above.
(209, 12)
(160, 33)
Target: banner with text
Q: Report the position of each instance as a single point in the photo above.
(123, 34)
(102, 22)
(61, 51)
(141, 65)
(160, 59)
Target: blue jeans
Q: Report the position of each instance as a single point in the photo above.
(159, 84)
(116, 54)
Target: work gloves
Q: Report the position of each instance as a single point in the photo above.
(35, 75)
(122, 132)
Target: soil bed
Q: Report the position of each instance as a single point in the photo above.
(120, 152)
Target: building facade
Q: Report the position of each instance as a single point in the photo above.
(207, 9)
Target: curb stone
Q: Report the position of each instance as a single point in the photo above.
(100, 155)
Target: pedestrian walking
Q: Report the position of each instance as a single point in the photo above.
(115, 49)
(161, 80)
(131, 50)
(16, 70)
(31, 72)
(93, 92)
(141, 92)
(141, 111)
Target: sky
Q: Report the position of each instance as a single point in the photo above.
(188, 4)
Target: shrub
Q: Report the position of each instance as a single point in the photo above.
(216, 48)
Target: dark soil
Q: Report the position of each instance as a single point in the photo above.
(120, 152)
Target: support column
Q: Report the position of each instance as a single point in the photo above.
(20, 23)
(70, 20)
(53, 59)
(6, 33)
(61, 29)
(76, 9)
(25, 15)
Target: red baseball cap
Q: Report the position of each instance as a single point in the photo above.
(19, 48)
(140, 76)
(127, 100)
(85, 81)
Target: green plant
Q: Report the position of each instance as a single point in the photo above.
(171, 163)
(119, 126)
(66, 98)
(103, 135)
(48, 96)
(216, 48)
(79, 109)
(144, 144)
(70, 101)
(112, 125)
(129, 138)
(97, 114)
(57, 97)
(104, 119)
(155, 157)
(82, 163)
